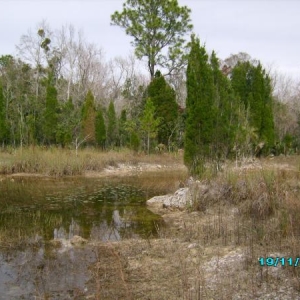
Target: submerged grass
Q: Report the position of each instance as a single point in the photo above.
(63, 162)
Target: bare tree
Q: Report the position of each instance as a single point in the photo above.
(30, 50)
(83, 65)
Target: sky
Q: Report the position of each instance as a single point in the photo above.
(268, 30)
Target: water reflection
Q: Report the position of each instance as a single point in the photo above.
(34, 213)
(59, 210)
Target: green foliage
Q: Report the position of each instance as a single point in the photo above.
(133, 93)
(5, 61)
(3, 126)
(166, 108)
(100, 129)
(135, 141)
(200, 119)
(225, 112)
(88, 119)
(253, 87)
(149, 123)
(112, 126)
(50, 114)
(155, 25)
(123, 133)
(67, 122)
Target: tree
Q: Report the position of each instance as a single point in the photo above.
(225, 106)
(112, 131)
(88, 118)
(3, 126)
(149, 124)
(67, 122)
(123, 133)
(30, 49)
(253, 87)
(100, 129)
(50, 114)
(156, 26)
(166, 109)
(200, 119)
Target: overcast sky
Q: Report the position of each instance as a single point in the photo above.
(268, 30)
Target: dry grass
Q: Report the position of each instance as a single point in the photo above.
(64, 162)
(212, 251)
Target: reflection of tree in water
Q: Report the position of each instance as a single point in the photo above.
(105, 213)
(34, 213)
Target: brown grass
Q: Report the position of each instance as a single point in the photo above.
(64, 162)
(212, 250)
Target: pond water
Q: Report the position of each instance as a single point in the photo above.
(34, 212)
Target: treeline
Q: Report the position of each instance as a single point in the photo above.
(228, 113)
(55, 100)
(59, 91)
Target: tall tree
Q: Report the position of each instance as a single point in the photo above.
(112, 126)
(149, 123)
(50, 114)
(156, 26)
(166, 108)
(68, 119)
(123, 133)
(253, 87)
(100, 129)
(33, 48)
(225, 106)
(199, 105)
(3, 126)
(88, 118)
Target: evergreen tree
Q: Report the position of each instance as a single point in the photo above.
(200, 120)
(166, 108)
(88, 119)
(100, 129)
(253, 87)
(225, 106)
(68, 119)
(123, 134)
(50, 114)
(149, 123)
(158, 29)
(112, 130)
(3, 127)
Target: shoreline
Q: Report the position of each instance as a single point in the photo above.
(121, 170)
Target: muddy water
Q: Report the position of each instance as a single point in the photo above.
(39, 217)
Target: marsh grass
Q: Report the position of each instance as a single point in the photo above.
(212, 251)
(64, 162)
(256, 208)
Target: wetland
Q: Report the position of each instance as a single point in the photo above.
(41, 217)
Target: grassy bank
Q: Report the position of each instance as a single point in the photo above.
(211, 251)
(63, 162)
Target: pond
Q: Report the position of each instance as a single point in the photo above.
(36, 212)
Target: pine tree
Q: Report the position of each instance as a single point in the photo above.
(199, 106)
(100, 129)
(166, 108)
(112, 129)
(88, 119)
